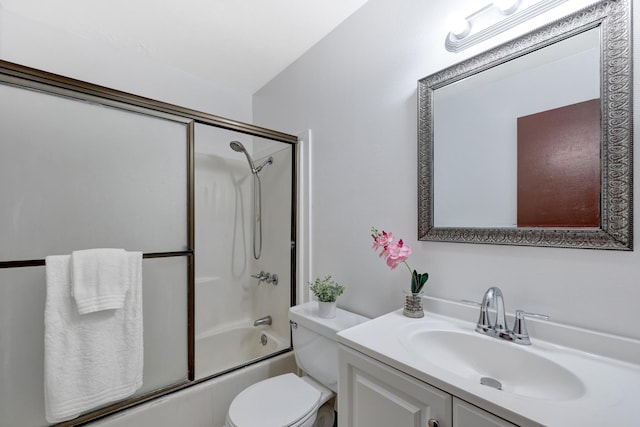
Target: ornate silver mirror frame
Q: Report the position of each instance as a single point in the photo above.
(613, 17)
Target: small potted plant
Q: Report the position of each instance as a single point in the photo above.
(327, 291)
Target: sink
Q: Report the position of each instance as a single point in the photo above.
(520, 370)
(571, 380)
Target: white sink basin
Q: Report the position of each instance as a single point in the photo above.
(544, 384)
(472, 356)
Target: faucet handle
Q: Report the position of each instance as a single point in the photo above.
(520, 333)
(272, 278)
(483, 324)
(260, 276)
(266, 277)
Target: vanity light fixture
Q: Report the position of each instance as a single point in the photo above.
(491, 20)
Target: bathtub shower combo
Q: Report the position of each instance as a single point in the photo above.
(243, 249)
(95, 168)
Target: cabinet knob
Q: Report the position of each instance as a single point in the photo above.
(433, 423)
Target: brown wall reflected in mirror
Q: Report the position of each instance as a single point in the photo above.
(559, 167)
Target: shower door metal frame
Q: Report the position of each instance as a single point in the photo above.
(34, 79)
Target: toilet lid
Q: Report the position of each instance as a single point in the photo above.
(275, 402)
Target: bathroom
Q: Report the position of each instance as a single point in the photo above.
(356, 91)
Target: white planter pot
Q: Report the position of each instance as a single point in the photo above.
(326, 310)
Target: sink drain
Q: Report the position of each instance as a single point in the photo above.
(263, 339)
(491, 382)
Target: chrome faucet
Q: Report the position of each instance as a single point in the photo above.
(497, 326)
(266, 320)
(492, 300)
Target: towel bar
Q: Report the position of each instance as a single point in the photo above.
(40, 262)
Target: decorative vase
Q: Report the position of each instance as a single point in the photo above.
(327, 309)
(413, 305)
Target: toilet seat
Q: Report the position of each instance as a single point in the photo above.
(282, 401)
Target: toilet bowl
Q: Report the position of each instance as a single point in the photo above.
(289, 400)
(285, 400)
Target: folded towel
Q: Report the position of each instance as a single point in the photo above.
(90, 359)
(100, 279)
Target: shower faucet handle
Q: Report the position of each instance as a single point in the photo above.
(266, 277)
(260, 276)
(273, 279)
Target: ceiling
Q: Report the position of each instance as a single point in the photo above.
(236, 44)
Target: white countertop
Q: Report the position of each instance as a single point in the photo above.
(612, 386)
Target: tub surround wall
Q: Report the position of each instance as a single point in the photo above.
(356, 90)
(223, 198)
(226, 294)
(269, 299)
(228, 300)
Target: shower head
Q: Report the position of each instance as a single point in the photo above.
(237, 146)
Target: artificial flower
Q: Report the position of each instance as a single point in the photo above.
(396, 253)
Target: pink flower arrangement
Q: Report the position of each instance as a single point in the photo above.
(396, 253)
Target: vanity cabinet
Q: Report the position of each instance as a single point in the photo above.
(372, 394)
(468, 415)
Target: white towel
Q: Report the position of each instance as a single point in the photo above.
(90, 359)
(100, 279)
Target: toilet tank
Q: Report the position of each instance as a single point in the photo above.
(314, 341)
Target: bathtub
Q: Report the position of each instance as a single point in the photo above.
(227, 348)
(205, 404)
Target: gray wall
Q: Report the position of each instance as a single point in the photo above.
(356, 91)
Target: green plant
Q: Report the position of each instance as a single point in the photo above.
(327, 290)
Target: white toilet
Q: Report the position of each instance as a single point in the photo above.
(291, 401)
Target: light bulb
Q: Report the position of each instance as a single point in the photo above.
(458, 26)
(507, 7)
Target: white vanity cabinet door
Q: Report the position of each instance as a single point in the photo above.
(371, 394)
(467, 415)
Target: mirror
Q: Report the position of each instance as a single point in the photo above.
(530, 143)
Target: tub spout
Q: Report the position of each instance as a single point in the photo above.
(266, 320)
